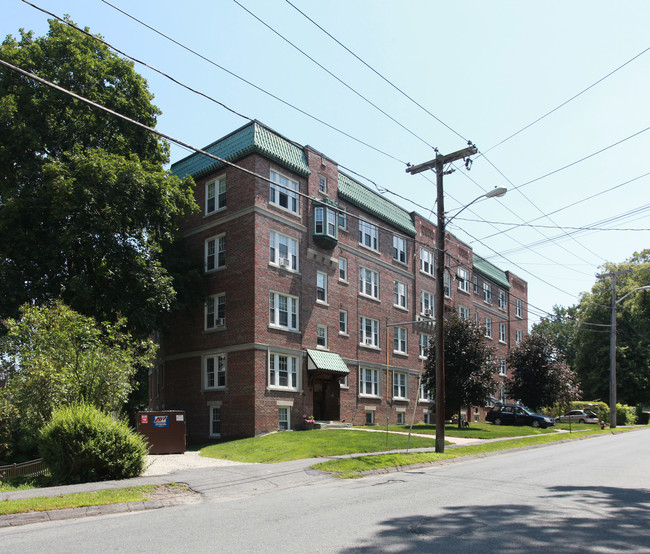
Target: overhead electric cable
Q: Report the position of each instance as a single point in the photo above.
(346, 85)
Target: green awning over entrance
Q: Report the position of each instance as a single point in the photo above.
(326, 362)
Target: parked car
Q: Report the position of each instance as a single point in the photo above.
(514, 414)
(578, 416)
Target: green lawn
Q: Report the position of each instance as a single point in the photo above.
(479, 430)
(82, 499)
(282, 447)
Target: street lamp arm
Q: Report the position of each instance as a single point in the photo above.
(645, 287)
(497, 192)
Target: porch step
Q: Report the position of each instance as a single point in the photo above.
(331, 425)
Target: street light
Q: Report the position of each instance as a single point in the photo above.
(612, 352)
(438, 164)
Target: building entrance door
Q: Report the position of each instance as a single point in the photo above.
(327, 399)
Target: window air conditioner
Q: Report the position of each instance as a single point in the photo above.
(284, 262)
(369, 341)
(220, 321)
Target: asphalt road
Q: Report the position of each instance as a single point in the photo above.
(580, 496)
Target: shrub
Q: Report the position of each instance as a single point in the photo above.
(625, 415)
(80, 444)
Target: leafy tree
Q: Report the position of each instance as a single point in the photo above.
(469, 369)
(562, 327)
(540, 377)
(85, 204)
(56, 357)
(592, 341)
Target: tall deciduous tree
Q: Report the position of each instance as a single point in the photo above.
(56, 357)
(469, 369)
(85, 204)
(540, 376)
(592, 343)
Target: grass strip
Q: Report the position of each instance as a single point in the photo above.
(82, 499)
(353, 468)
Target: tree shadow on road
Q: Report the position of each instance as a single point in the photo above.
(569, 519)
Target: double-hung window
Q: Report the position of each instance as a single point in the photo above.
(321, 287)
(284, 418)
(446, 278)
(426, 304)
(399, 340)
(475, 283)
(368, 382)
(368, 282)
(519, 336)
(283, 371)
(488, 327)
(487, 293)
(399, 385)
(215, 311)
(284, 195)
(215, 253)
(321, 336)
(463, 279)
(343, 219)
(425, 396)
(463, 312)
(283, 251)
(215, 371)
(502, 332)
(343, 322)
(518, 307)
(399, 294)
(283, 311)
(426, 261)
(369, 332)
(503, 366)
(502, 300)
(343, 269)
(368, 235)
(215, 195)
(425, 341)
(399, 249)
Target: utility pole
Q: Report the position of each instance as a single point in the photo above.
(438, 164)
(612, 346)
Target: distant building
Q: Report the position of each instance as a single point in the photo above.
(306, 277)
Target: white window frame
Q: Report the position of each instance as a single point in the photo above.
(215, 311)
(215, 368)
(280, 244)
(368, 235)
(446, 284)
(503, 367)
(368, 382)
(427, 264)
(425, 341)
(343, 322)
(401, 416)
(502, 332)
(215, 253)
(519, 336)
(215, 190)
(369, 283)
(463, 312)
(370, 417)
(502, 300)
(279, 195)
(475, 283)
(343, 219)
(399, 249)
(518, 308)
(463, 279)
(400, 389)
(322, 183)
(400, 340)
(427, 302)
(215, 409)
(276, 302)
(343, 269)
(321, 287)
(487, 293)
(284, 418)
(424, 395)
(488, 327)
(280, 363)
(368, 332)
(400, 294)
(321, 336)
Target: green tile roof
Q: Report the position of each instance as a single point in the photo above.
(252, 138)
(491, 271)
(357, 194)
(327, 361)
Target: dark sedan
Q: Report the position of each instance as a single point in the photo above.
(512, 414)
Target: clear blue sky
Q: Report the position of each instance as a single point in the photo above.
(485, 69)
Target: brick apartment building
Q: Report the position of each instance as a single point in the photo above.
(312, 282)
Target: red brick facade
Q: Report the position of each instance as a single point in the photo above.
(235, 378)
